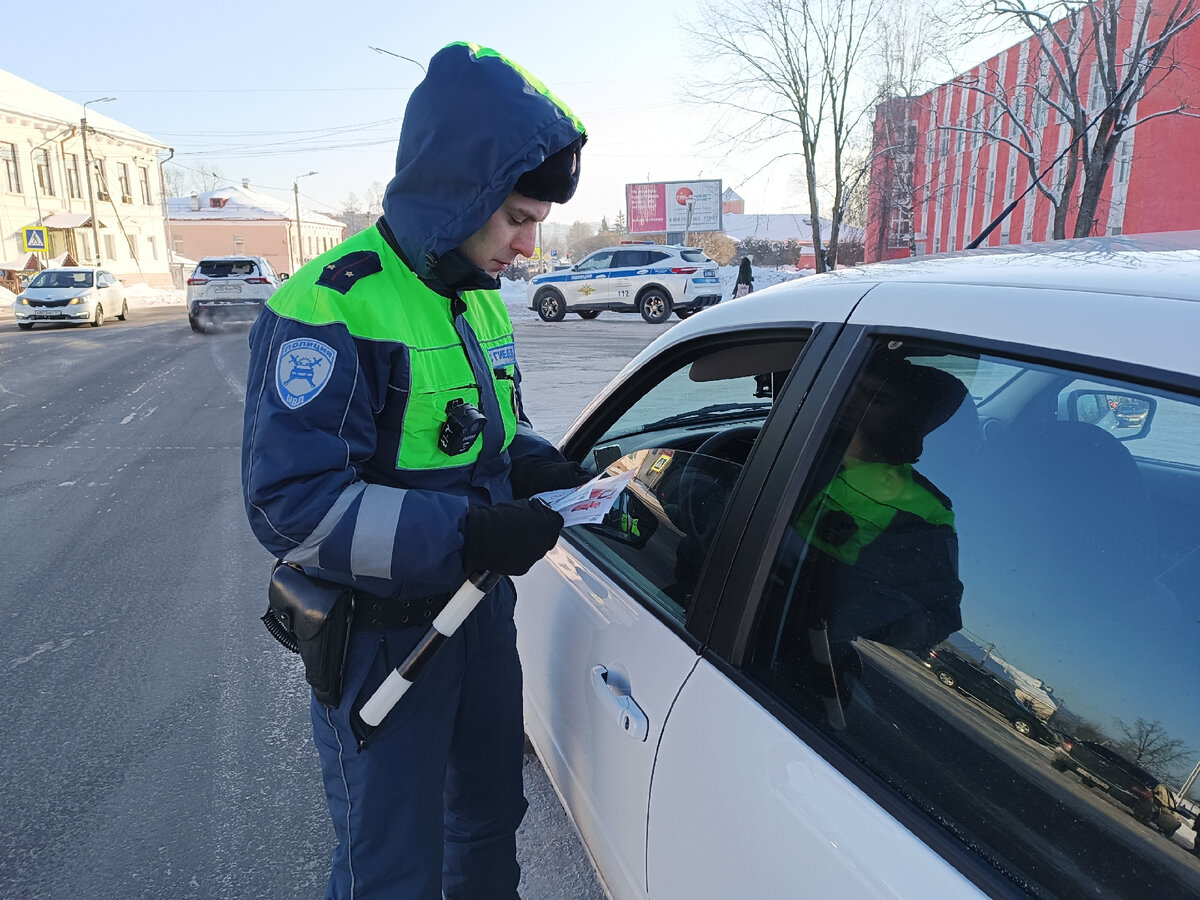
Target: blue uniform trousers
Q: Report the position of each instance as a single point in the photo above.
(433, 803)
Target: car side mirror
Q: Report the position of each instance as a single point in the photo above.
(283, 276)
(1125, 416)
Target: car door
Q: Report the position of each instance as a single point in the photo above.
(114, 294)
(628, 274)
(607, 628)
(588, 283)
(828, 758)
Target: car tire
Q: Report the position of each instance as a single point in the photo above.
(946, 678)
(98, 318)
(684, 313)
(25, 326)
(1058, 764)
(1022, 727)
(655, 306)
(588, 313)
(196, 326)
(550, 305)
(124, 313)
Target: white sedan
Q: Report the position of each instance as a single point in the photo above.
(835, 476)
(71, 294)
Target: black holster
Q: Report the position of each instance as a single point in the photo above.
(312, 617)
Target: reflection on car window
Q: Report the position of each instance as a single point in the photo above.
(598, 261)
(688, 437)
(226, 268)
(62, 279)
(1007, 629)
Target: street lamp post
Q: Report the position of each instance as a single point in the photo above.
(687, 229)
(299, 241)
(87, 168)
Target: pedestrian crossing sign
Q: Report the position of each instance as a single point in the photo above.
(34, 238)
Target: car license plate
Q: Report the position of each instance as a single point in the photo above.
(227, 288)
(46, 313)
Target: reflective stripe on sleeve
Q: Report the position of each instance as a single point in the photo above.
(307, 554)
(374, 541)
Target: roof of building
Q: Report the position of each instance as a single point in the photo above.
(781, 227)
(241, 203)
(27, 99)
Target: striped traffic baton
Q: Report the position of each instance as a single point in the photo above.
(401, 678)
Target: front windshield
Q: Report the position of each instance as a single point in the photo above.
(62, 279)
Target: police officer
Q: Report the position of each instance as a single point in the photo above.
(385, 447)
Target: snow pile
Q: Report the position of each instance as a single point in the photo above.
(141, 295)
(6, 297)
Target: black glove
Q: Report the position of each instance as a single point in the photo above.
(509, 538)
(532, 475)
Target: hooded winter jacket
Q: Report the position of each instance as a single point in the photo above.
(354, 360)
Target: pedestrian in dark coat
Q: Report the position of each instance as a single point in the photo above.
(745, 279)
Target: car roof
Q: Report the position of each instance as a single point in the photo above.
(638, 245)
(1068, 295)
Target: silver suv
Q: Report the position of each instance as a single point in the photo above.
(229, 289)
(649, 279)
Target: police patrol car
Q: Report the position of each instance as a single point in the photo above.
(633, 277)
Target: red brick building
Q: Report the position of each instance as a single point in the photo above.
(945, 164)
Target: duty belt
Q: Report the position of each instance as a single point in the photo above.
(386, 613)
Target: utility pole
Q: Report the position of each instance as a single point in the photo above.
(299, 240)
(87, 168)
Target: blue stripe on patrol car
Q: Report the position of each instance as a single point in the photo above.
(606, 273)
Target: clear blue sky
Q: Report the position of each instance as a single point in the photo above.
(257, 89)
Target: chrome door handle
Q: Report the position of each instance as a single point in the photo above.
(620, 706)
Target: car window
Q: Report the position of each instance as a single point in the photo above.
(227, 268)
(967, 596)
(694, 256)
(62, 279)
(601, 260)
(687, 436)
(653, 256)
(630, 259)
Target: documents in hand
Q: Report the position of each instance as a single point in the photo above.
(590, 502)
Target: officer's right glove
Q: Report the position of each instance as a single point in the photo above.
(509, 538)
(532, 475)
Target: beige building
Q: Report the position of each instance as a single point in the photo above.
(239, 219)
(44, 180)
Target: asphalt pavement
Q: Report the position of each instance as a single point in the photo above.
(156, 740)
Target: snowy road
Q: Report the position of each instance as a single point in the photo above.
(155, 741)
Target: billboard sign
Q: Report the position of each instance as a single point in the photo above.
(660, 206)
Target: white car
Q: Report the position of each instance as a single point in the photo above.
(636, 277)
(227, 289)
(76, 294)
(723, 678)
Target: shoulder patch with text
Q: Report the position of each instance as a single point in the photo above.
(504, 355)
(303, 370)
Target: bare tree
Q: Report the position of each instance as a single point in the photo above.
(916, 38)
(785, 68)
(1081, 67)
(1148, 745)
